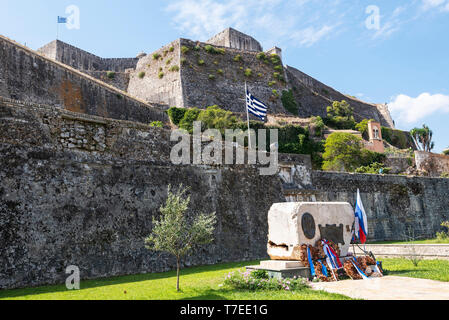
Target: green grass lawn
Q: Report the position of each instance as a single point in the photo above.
(429, 241)
(201, 283)
(426, 269)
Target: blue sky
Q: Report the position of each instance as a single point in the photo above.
(403, 60)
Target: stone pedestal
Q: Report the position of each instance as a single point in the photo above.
(283, 269)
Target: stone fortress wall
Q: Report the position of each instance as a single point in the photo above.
(433, 164)
(31, 77)
(83, 60)
(220, 80)
(78, 189)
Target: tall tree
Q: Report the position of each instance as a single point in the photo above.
(423, 138)
(343, 152)
(174, 234)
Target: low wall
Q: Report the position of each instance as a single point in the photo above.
(424, 251)
(431, 163)
(395, 205)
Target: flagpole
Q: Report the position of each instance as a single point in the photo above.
(247, 116)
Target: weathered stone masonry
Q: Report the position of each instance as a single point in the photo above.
(90, 201)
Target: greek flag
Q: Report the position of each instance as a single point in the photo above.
(62, 20)
(255, 107)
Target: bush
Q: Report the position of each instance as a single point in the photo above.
(174, 69)
(171, 49)
(343, 152)
(220, 71)
(190, 116)
(238, 58)
(397, 138)
(169, 61)
(183, 61)
(216, 118)
(374, 168)
(156, 56)
(246, 280)
(176, 114)
(271, 83)
(110, 74)
(319, 126)
(446, 152)
(275, 93)
(141, 75)
(261, 56)
(275, 59)
(340, 123)
(445, 175)
(213, 50)
(157, 124)
(289, 102)
(444, 235)
(201, 62)
(184, 49)
(362, 127)
(212, 77)
(278, 68)
(161, 75)
(248, 72)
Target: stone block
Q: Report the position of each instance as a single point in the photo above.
(294, 224)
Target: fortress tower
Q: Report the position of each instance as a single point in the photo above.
(231, 38)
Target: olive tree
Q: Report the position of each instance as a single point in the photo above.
(174, 233)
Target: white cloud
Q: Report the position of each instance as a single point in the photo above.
(442, 5)
(410, 110)
(275, 22)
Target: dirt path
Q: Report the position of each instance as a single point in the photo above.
(389, 288)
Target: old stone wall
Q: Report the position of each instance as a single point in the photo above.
(232, 38)
(157, 77)
(119, 80)
(221, 79)
(28, 76)
(314, 97)
(83, 60)
(397, 206)
(82, 190)
(431, 163)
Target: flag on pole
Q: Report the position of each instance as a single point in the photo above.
(255, 107)
(361, 221)
(62, 20)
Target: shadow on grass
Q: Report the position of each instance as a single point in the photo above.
(103, 282)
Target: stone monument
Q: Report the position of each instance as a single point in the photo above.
(290, 225)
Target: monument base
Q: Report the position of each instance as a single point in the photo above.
(283, 269)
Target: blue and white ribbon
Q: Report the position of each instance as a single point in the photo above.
(309, 257)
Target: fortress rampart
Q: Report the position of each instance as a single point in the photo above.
(78, 189)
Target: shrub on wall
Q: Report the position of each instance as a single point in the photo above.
(183, 61)
(174, 69)
(238, 58)
(141, 75)
(340, 116)
(184, 49)
(190, 116)
(289, 102)
(362, 127)
(261, 56)
(161, 75)
(212, 77)
(169, 61)
(201, 62)
(156, 124)
(275, 59)
(220, 71)
(271, 83)
(176, 114)
(110, 74)
(156, 56)
(319, 126)
(397, 138)
(343, 152)
(248, 72)
(374, 168)
(278, 68)
(171, 49)
(212, 50)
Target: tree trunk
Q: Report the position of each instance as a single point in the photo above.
(177, 274)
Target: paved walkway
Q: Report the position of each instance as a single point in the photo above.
(388, 288)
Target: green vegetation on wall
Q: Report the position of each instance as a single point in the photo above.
(397, 138)
(176, 114)
(289, 102)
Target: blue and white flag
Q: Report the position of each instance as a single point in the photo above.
(62, 20)
(255, 107)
